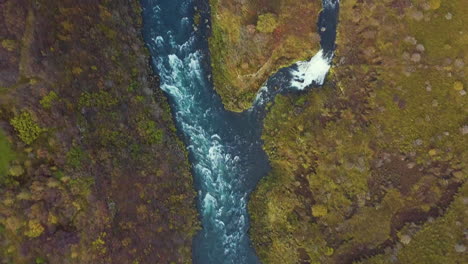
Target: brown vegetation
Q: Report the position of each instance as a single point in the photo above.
(90, 168)
(253, 39)
(373, 167)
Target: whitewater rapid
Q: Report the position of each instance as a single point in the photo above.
(225, 148)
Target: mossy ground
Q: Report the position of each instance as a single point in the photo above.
(6, 156)
(246, 50)
(91, 170)
(372, 168)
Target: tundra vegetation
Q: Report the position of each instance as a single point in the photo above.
(372, 168)
(252, 39)
(91, 170)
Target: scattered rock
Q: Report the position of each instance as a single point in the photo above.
(459, 63)
(379, 163)
(464, 130)
(418, 142)
(410, 40)
(416, 57)
(251, 29)
(428, 87)
(447, 61)
(417, 15)
(405, 239)
(342, 60)
(406, 56)
(425, 6)
(465, 200)
(448, 16)
(420, 48)
(460, 248)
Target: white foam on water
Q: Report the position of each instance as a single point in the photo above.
(159, 40)
(209, 203)
(261, 96)
(311, 72)
(332, 3)
(304, 74)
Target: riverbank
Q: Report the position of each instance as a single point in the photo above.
(91, 170)
(372, 167)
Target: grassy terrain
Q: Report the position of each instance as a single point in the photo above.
(372, 168)
(91, 170)
(254, 39)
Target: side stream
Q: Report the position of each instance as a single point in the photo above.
(225, 148)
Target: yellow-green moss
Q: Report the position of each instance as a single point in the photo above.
(9, 44)
(6, 155)
(35, 229)
(48, 100)
(150, 132)
(267, 23)
(28, 130)
(100, 99)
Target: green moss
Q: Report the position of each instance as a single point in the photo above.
(35, 229)
(267, 23)
(319, 210)
(108, 32)
(133, 86)
(150, 132)
(75, 157)
(9, 44)
(48, 100)
(100, 99)
(82, 186)
(28, 130)
(16, 171)
(6, 155)
(40, 260)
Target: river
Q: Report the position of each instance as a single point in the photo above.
(225, 148)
